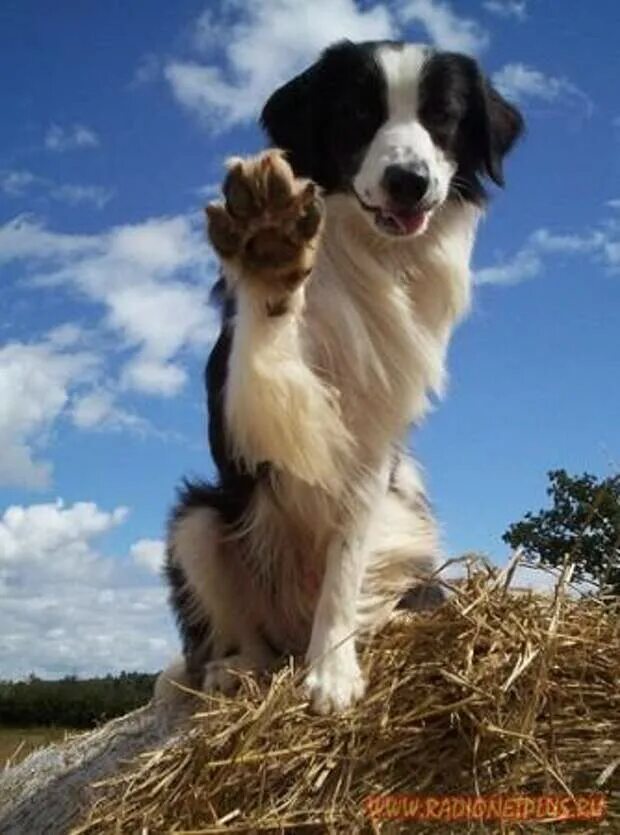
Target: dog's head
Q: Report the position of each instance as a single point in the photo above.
(400, 128)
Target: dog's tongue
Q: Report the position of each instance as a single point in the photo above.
(407, 222)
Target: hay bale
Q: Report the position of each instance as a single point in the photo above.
(493, 692)
(48, 791)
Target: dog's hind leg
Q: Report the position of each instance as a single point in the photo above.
(217, 633)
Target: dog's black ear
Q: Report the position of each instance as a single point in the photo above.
(504, 125)
(291, 120)
(494, 123)
(327, 114)
(489, 125)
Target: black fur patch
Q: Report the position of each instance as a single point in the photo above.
(232, 492)
(195, 631)
(469, 119)
(229, 496)
(327, 116)
(422, 598)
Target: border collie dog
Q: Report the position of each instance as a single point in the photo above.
(345, 254)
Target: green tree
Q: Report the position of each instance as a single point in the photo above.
(583, 522)
(72, 702)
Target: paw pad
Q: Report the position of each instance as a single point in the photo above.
(270, 220)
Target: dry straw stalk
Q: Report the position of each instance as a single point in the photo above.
(494, 692)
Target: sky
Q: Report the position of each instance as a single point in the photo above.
(116, 120)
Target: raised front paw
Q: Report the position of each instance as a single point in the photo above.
(334, 681)
(269, 223)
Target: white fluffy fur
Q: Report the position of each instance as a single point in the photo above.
(302, 432)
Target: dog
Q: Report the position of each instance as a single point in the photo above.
(345, 251)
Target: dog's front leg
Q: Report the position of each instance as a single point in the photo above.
(277, 409)
(334, 680)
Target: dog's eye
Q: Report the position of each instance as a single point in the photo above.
(439, 116)
(441, 122)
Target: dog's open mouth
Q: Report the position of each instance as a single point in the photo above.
(399, 223)
(394, 221)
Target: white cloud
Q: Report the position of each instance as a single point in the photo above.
(540, 579)
(520, 83)
(153, 376)
(207, 30)
(527, 263)
(530, 261)
(70, 138)
(97, 409)
(260, 44)
(41, 533)
(17, 183)
(537, 579)
(612, 254)
(151, 283)
(148, 70)
(264, 43)
(516, 9)
(65, 336)
(157, 245)
(208, 191)
(544, 579)
(444, 27)
(149, 553)
(35, 384)
(151, 279)
(66, 608)
(549, 242)
(76, 195)
(24, 237)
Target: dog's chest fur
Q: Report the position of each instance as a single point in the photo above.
(378, 318)
(375, 328)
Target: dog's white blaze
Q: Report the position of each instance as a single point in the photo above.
(402, 139)
(402, 67)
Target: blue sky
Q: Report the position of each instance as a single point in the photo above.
(116, 119)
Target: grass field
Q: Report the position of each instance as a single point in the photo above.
(17, 743)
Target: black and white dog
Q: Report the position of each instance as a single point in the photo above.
(345, 258)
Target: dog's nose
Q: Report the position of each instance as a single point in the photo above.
(406, 185)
